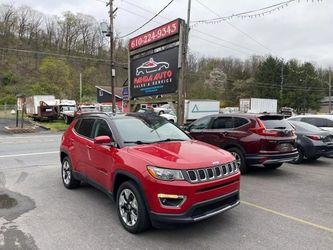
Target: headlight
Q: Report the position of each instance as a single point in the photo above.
(165, 174)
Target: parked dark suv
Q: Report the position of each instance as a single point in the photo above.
(253, 139)
(152, 169)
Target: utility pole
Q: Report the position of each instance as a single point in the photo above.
(80, 87)
(112, 56)
(329, 91)
(182, 86)
(281, 85)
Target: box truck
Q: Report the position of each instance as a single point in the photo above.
(258, 105)
(42, 107)
(195, 109)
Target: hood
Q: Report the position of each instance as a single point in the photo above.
(181, 154)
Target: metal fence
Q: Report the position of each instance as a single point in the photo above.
(8, 111)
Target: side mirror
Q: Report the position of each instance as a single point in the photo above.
(104, 139)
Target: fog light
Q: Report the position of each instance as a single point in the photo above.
(171, 200)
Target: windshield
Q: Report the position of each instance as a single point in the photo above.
(142, 129)
(68, 108)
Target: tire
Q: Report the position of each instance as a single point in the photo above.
(240, 159)
(300, 157)
(161, 112)
(132, 215)
(274, 165)
(314, 158)
(67, 174)
(171, 120)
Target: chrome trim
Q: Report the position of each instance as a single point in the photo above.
(230, 169)
(184, 197)
(217, 212)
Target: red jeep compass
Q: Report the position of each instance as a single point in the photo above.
(153, 170)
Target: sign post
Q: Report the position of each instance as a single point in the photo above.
(156, 62)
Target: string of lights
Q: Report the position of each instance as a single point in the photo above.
(192, 29)
(249, 14)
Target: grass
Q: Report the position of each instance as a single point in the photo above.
(56, 125)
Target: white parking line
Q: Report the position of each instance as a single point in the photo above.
(29, 154)
(28, 137)
(328, 229)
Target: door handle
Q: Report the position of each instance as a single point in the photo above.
(224, 133)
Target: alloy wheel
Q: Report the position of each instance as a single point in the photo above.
(238, 159)
(66, 172)
(128, 207)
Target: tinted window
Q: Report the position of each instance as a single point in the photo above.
(223, 123)
(329, 123)
(77, 125)
(319, 122)
(275, 122)
(86, 126)
(238, 121)
(305, 127)
(102, 128)
(201, 123)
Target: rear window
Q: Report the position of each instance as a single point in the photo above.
(275, 122)
(305, 127)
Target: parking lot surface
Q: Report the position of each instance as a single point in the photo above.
(287, 208)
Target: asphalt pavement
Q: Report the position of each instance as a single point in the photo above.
(287, 208)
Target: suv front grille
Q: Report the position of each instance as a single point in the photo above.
(211, 173)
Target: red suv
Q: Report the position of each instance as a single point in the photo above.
(254, 139)
(153, 170)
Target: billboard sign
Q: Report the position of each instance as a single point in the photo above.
(155, 74)
(164, 31)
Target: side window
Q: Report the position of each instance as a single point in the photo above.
(319, 122)
(102, 128)
(201, 123)
(223, 123)
(86, 127)
(77, 125)
(238, 121)
(329, 123)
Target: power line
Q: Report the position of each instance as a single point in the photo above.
(233, 26)
(62, 55)
(196, 30)
(218, 44)
(130, 33)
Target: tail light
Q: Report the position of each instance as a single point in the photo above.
(261, 130)
(313, 137)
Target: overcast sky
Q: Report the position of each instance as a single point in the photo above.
(302, 30)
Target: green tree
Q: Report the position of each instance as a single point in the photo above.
(54, 78)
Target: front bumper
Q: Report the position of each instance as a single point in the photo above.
(200, 210)
(266, 159)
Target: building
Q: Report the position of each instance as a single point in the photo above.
(104, 95)
(324, 103)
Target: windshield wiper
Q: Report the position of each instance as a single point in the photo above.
(140, 142)
(170, 139)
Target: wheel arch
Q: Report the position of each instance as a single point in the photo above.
(234, 145)
(123, 176)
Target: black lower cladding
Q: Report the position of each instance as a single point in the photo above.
(199, 210)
